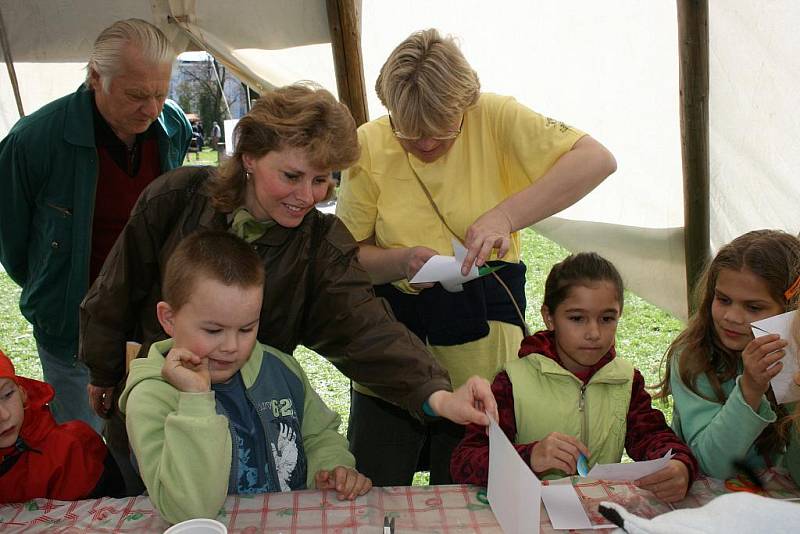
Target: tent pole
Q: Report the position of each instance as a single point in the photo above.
(12, 73)
(694, 89)
(344, 24)
(219, 84)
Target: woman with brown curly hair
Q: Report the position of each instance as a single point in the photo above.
(316, 293)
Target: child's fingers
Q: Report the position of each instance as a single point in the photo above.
(565, 454)
(669, 484)
(344, 480)
(771, 358)
(569, 443)
(669, 490)
(364, 485)
(188, 357)
(349, 486)
(763, 346)
(759, 342)
(771, 349)
(562, 463)
(655, 478)
(773, 371)
(339, 478)
(321, 478)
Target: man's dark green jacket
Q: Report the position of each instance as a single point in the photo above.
(48, 177)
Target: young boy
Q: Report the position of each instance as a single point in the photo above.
(39, 458)
(212, 412)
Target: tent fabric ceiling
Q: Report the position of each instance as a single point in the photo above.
(66, 29)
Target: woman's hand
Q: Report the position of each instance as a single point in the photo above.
(468, 404)
(758, 358)
(413, 260)
(347, 482)
(186, 371)
(490, 231)
(670, 484)
(557, 451)
(101, 400)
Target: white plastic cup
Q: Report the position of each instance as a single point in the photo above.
(198, 526)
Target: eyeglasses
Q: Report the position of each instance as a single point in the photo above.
(443, 137)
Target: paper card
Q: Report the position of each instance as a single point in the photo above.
(783, 383)
(447, 270)
(629, 471)
(514, 492)
(564, 507)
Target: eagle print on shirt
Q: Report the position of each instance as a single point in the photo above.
(285, 454)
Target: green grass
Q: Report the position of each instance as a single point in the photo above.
(207, 156)
(643, 335)
(16, 333)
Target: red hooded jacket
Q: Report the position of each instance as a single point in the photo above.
(65, 462)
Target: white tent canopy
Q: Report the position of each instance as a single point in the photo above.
(610, 69)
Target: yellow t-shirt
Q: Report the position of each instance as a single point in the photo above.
(503, 148)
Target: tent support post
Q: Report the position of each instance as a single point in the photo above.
(345, 28)
(694, 89)
(12, 73)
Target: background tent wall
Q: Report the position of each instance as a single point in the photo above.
(12, 73)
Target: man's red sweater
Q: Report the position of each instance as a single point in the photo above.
(647, 436)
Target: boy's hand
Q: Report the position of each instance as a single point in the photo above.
(347, 482)
(758, 358)
(186, 371)
(557, 451)
(670, 484)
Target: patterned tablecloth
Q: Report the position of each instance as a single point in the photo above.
(419, 509)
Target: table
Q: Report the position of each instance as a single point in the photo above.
(418, 509)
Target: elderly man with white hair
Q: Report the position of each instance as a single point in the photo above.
(70, 174)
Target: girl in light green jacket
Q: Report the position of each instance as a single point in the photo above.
(718, 373)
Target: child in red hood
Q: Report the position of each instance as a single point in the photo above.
(39, 458)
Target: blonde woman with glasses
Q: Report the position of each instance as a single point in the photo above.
(449, 162)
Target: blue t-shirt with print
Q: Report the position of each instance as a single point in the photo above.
(251, 445)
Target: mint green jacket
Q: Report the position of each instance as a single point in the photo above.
(48, 177)
(183, 447)
(718, 434)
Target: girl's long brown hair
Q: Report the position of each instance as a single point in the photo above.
(773, 256)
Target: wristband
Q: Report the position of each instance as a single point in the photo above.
(427, 410)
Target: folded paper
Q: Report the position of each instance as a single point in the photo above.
(629, 471)
(783, 383)
(447, 270)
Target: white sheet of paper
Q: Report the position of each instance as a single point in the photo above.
(783, 383)
(514, 492)
(629, 471)
(564, 507)
(446, 270)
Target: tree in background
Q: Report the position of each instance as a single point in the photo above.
(197, 87)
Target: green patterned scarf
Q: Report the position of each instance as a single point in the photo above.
(246, 227)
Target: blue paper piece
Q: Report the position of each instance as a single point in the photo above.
(583, 466)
